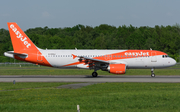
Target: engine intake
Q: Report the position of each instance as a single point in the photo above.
(117, 68)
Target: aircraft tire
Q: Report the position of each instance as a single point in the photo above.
(152, 75)
(94, 74)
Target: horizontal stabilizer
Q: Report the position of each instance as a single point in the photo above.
(11, 54)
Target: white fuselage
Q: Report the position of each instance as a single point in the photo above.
(61, 58)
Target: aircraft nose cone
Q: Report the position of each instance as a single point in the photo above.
(173, 62)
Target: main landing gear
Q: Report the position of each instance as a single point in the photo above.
(152, 73)
(94, 74)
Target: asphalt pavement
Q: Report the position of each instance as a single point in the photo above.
(89, 79)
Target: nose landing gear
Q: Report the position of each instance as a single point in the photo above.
(152, 73)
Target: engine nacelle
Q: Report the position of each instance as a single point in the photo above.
(117, 68)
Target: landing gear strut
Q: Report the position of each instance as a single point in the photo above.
(94, 74)
(152, 73)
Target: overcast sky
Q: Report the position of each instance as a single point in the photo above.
(68, 13)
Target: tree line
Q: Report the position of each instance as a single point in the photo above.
(162, 38)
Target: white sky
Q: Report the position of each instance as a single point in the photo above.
(68, 13)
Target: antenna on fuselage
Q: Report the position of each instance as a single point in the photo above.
(75, 48)
(150, 49)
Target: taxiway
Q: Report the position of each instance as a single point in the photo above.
(83, 78)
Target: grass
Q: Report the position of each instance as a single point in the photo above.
(28, 85)
(103, 97)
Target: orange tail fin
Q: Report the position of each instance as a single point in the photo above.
(24, 48)
(20, 40)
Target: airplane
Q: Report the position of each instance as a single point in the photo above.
(113, 61)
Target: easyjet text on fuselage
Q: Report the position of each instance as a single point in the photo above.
(137, 53)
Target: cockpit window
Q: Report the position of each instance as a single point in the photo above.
(165, 56)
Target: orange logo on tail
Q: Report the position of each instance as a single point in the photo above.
(19, 35)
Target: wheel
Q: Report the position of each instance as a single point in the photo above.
(152, 75)
(94, 74)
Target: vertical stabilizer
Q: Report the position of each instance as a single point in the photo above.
(24, 48)
(20, 40)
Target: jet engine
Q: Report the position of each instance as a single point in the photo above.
(117, 68)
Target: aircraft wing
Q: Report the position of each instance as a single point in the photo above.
(95, 60)
(90, 59)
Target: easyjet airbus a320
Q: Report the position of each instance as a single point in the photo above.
(113, 61)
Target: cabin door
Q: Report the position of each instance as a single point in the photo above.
(39, 56)
(153, 57)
